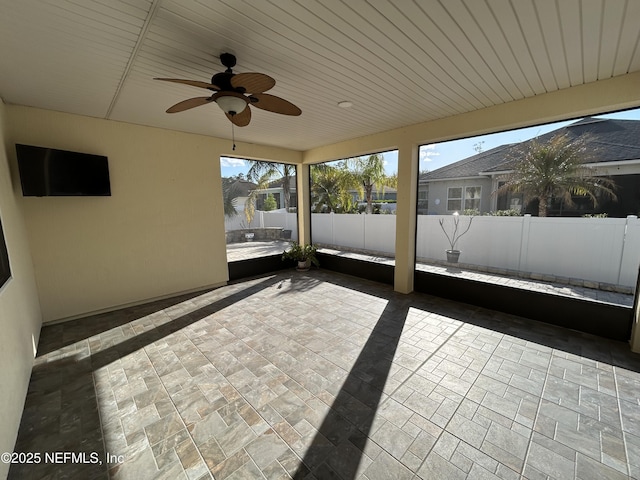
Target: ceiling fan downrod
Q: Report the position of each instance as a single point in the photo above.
(228, 60)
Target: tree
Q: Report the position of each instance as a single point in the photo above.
(262, 183)
(369, 172)
(230, 194)
(266, 172)
(555, 169)
(270, 203)
(331, 187)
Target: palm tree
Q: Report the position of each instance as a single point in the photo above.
(230, 193)
(555, 169)
(370, 173)
(331, 187)
(271, 171)
(262, 183)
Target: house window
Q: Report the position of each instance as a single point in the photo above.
(472, 198)
(454, 198)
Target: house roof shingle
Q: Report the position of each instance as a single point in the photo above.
(615, 140)
(244, 187)
(470, 166)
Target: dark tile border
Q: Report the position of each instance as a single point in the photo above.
(598, 318)
(256, 266)
(376, 272)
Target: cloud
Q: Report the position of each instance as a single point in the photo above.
(231, 162)
(427, 152)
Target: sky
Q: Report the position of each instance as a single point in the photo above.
(438, 155)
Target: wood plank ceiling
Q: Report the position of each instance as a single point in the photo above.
(399, 62)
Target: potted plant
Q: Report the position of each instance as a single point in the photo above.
(453, 254)
(305, 255)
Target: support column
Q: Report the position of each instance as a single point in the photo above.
(406, 217)
(304, 206)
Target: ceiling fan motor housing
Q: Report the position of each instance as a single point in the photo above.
(222, 80)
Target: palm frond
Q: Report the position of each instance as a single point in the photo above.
(230, 194)
(556, 169)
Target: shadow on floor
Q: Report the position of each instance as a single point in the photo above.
(337, 448)
(73, 331)
(61, 410)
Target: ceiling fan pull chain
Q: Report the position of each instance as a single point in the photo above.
(233, 137)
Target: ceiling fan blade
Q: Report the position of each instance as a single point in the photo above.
(253, 82)
(241, 119)
(193, 83)
(274, 104)
(187, 104)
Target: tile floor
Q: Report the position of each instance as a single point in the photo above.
(320, 375)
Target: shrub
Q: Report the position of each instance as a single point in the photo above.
(301, 253)
(505, 213)
(270, 203)
(470, 212)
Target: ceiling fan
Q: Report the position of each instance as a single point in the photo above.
(234, 92)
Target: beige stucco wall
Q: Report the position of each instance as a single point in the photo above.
(160, 233)
(20, 317)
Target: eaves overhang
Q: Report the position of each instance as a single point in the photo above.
(451, 179)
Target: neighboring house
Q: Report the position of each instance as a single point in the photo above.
(470, 183)
(386, 193)
(460, 186)
(276, 189)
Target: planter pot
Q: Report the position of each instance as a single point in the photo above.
(453, 256)
(304, 265)
(286, 234)
(249, 237)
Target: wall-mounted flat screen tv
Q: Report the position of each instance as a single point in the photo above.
(47, 172)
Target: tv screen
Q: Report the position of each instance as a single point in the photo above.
(46, 172)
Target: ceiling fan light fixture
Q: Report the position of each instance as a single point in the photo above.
(231, 104)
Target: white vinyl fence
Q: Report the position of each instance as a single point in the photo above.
(603, 250)
(361, 232)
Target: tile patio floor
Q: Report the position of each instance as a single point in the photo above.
(320, 375)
